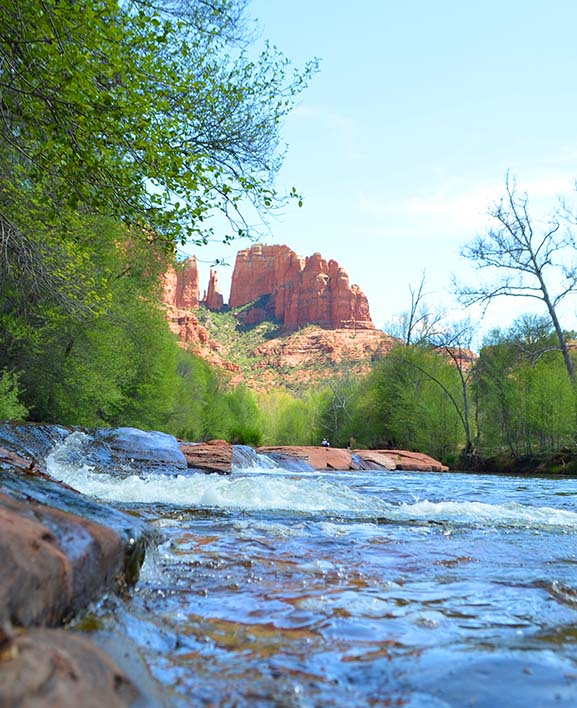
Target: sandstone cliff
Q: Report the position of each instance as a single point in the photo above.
(180, 285)
(296, 291)
(180, 295)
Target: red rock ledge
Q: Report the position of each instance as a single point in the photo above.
(332, 458)
(211, 456)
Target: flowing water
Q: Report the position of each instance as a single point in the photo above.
(271, 587)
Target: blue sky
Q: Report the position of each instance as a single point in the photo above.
(403, 139)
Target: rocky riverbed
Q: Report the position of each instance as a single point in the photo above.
(60, 551)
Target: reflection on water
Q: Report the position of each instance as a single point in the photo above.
(352, 589)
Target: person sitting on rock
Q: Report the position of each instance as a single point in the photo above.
(325, 443)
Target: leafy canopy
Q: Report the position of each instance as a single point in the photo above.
(151, 112)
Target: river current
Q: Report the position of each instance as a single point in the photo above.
(271, 587)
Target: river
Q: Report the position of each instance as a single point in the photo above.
(271, 587)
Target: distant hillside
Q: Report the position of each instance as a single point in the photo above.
(265, 357)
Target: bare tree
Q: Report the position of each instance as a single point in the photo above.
(455, 343)
(417, 324)
(527, 260)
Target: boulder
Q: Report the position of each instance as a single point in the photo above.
(53, 668)
(211, 456)
(53, 563)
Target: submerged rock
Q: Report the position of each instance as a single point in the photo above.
(136, 448)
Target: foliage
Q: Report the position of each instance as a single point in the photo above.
(151, 112)
(290, 420)
(10, 406)
(526, 404)
(408, 401)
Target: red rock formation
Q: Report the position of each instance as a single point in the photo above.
(212, 297)
(260, 270)
(323, 458)
(180, 285)
(302, 291)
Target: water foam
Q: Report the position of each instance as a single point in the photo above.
(281, 491)
(480, 513)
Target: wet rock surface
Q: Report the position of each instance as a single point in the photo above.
(31, 441)
(326, 458)
(319, 458)
(401, 460)
(58, 669)
(211, 456)
(59, 551)
(54, 563)
(133, 448)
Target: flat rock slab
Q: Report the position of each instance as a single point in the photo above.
(375, 460)
(211, 456)
(333, 458)
(53, 668)
(401, 460)
(320, 458)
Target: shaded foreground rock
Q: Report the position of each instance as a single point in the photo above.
(59, 669)
(323, 458)
(211, 456)
(59, 551)
(53, 563)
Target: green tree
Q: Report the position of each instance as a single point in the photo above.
(152, 112)
(410, 400)
(526, 402)
(11, 407)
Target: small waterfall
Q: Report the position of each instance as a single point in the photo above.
(32, 440)
(245, 457)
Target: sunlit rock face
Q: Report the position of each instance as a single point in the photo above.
(180, 285)
(296, 291)
(213, 298)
